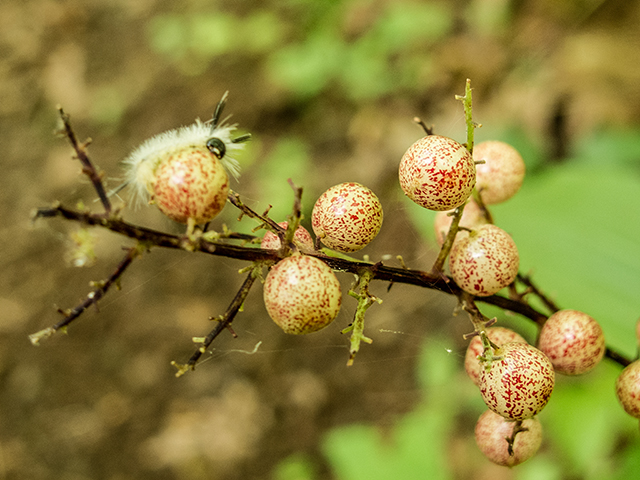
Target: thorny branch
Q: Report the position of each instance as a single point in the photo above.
(219, 244)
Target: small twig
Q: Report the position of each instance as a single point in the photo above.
(532, 288)
(269, 224)
(87, 166)
(92, 298)
(365, 300)
(517, 428)
(427, 130)
(223, 322)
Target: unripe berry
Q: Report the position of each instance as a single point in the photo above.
(484, 261)
(185, 171)
(302, 237)
(190, 183)
(437, 173)
(499, 336)
(472, 217)
(302, 294)
(492, 431)
(347, 217)
(573, 341)
(518, 385)
(628, 389)
(500, 176)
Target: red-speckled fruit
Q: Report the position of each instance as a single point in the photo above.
(519, 385)
(302, 294)
(499, 336)
(484, 261)
(573, 341)
(501, 176)
(302, 237)
(347, 217)
(472, 217)
(491, 433)
(628, 389)
(190, 184)
(437, 173)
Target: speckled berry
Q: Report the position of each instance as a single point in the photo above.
(484, 261)
(185, 171)
(347, 217)
(573, 341)
(472, 217)
(190, 184)
(302, 237)
(492, 431)
(499, 336)
(628, 389)
(302, 294)
(501, 176)
(519, 385)
(437, 173)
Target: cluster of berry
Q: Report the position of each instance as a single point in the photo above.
(189, 183)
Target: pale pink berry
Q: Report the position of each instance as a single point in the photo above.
(190, 184)
(492, 432)
(519, 384)
(628, 389)
(347, 217)
(484, 261)
(302, 237)
(185, 171)
(499, 336)
(302, 294)
(472, 217)
(573, 341)
(500, 176)
(437, 173)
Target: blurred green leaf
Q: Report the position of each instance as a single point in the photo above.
(576, 228)
(213, 34)
(294, 467)
(404, 24)
(583, 421)
(289, 159)
(308, 67)
(168, 34)
(611, 146)
(262, 31)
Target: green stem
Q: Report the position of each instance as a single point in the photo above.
(457, 215)
(365, 300)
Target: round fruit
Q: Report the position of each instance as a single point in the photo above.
(302, 294)
(492, 432)
(472, 217)
(437, 173)
(501, 176)
(190, 184)
(519, 385)
(185, 171)
(302, 237)
(484, 261)
(628, 389)
(347, 217)
(573, 341)
(499, 336)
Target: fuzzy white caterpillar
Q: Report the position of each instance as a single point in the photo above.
(185, 170)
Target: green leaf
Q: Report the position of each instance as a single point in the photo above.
(577, 230)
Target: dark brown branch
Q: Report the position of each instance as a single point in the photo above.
(150, 238)
(223, 322)
(87, 166)
(92, 298)
(526, 281)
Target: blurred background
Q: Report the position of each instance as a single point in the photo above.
(329, 91)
